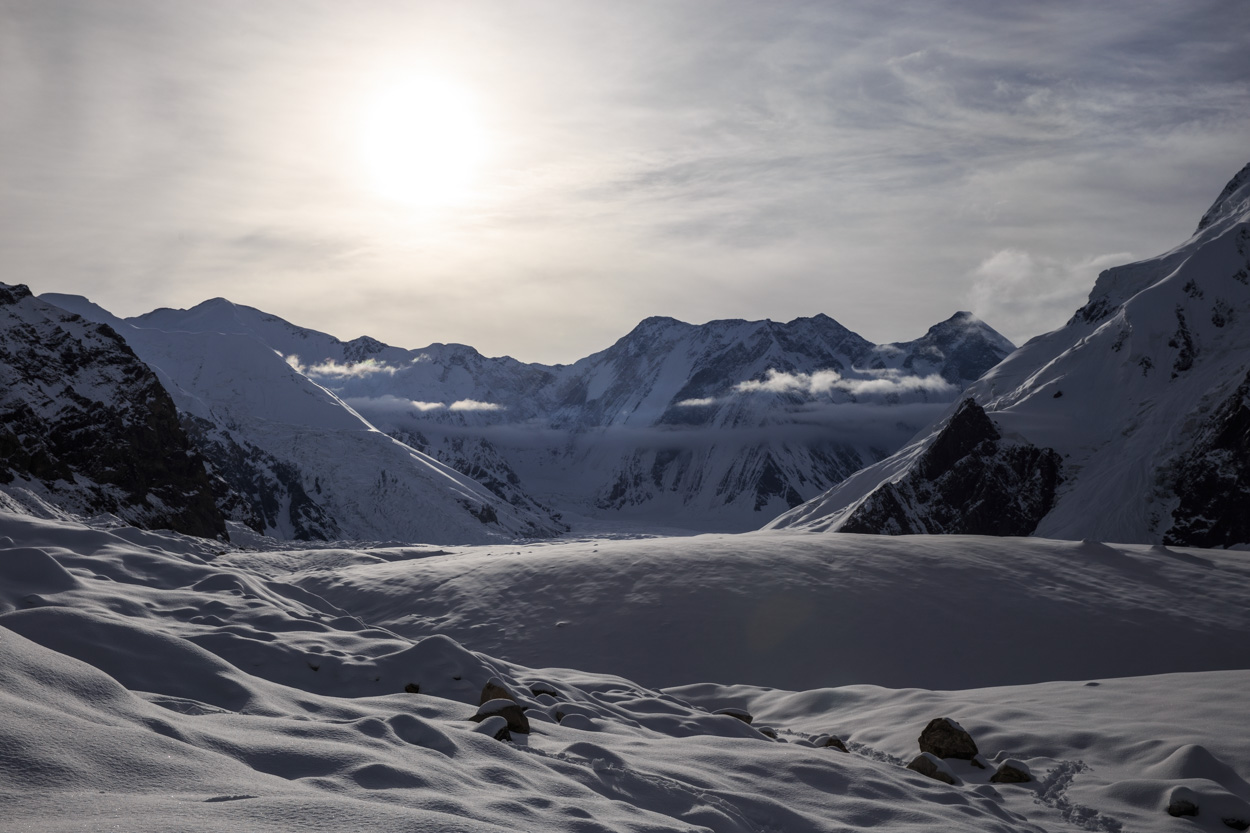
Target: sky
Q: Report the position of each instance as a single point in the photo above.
(534, 177)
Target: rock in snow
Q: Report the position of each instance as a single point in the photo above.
(931, 765)
(945, 738)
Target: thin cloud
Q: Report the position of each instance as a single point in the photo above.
(331, 369)
(474, 405)
(878, 383)
(1031, 293)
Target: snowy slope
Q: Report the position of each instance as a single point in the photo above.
(156, 683)
(718, 426)
(86, 428)
(299, 463)
(1144, 396)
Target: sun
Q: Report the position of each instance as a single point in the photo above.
(422, 142)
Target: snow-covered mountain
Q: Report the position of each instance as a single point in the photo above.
(1131, 423)
(715, 426)
(86, 428)
(292, 461)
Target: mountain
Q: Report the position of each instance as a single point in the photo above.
(292, 461)
(715, 427)
(1130, 423)
(86, 427)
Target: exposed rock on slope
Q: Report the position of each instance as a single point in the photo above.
(967, 481)
(1140, 401)
(86, 426)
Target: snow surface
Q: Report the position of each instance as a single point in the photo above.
(151, 682)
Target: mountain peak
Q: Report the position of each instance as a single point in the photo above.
(12, 293)
(1235, 197)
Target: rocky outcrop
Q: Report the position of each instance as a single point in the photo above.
(1211, 478)
(86, 426)
(969, 481)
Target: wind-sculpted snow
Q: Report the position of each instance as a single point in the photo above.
(1140, 395)
(717, 426)
(150, 682)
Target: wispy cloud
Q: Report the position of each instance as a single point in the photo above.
(474, 405)
(336, 370)
(1035, 291)
(878, 383)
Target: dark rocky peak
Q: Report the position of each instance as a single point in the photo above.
(11, 294)
(967, 428)
(359, 349)
(86, 426)
(1235, 198)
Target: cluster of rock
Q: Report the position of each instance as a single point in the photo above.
(943, 739)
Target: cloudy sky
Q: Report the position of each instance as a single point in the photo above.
(533, 177)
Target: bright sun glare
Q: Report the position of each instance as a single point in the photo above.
(422, 142)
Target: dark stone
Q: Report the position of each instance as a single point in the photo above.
(495, 690)
(508, 710)
(926, 766)
(1236, 823)
(945, 738)
(496, 727)
(1010, 774)
(412, 688)
(1181, 807)
(544, 688)
(835, 742)
(741, 714)
(768, 732)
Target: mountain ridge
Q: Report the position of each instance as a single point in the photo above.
(1139, 394)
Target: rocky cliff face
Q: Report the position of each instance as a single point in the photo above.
(1141, 398)
(969, 480)
(86, 426)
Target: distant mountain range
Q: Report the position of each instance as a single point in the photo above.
(1131, 423)
(710, 427)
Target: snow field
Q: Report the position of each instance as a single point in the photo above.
(152, 682)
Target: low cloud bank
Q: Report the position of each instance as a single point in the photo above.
(823, 382)
(330, 369)
(389, 405)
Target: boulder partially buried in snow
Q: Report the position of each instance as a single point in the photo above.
(934, 767)
(741, 714)
(495, 726)
(829, 741)
(945, 738)
(495, 690)
(1011, 771)
(508, 710)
